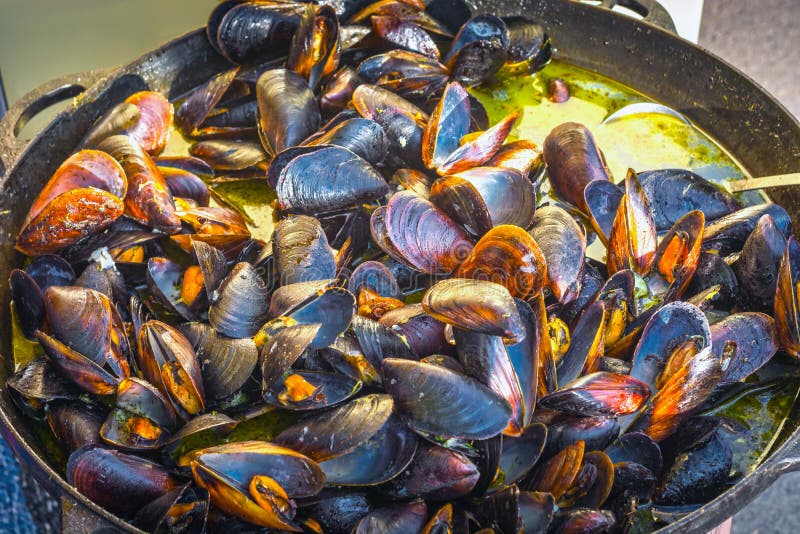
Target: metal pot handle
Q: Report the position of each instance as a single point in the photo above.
(37, 100)
(650, 11)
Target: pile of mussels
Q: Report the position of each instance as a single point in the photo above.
(423, 345)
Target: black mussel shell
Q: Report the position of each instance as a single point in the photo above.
(164, 282)
(563, 244)
(758, 266)
(399, 33)
(332, 308)
(374, 276)
(395, 519)
(119, 482)
(200, 102)
(250, 32)
(714, 272)
(226, 363)
(439, 402)
(38, 383)
(28, 301)
(636, 447)
(328, 179)
(602, 200)
(183, 509)
(672, 193)
(242, 305)
(213, 266)
(311, 390)
(363, 137)
(528, 43)
(599, 394)
(519, 454)
(563, 431)
(290, 296)
(301, 251)
(437, 474)
(586, 345)
(337, 512)
(424, 334)
(282, 349)
(482, 27)
(315, 48)
(728, 234)
(748, 338)
(287, 109)
(75, 423)
(477, 62)
(184, 184)
(379, 342)
(229, 154)
(583, 520)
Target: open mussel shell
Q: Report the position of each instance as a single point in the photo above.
(632, 242)
(509, 256)
(164, 282)
(448, 123)
(115, 121)
(439, 402)
(201, 102)
(602, 199)
(670, 327)
(168, 361)
(436, 474)
(290, 296)
(563, 245)
(379, 459)
(672, 193)
(119, 482)
(282, 350)
(395, 519)
(573, 160)
(557, 474)
(363, 137)
(414, 231)
(311, 390)
(748, 338)
(483, 197)
(212, 264)
(479, 149)
(374, 276)
(314, 51)
(301, 251)
(126, 430)
(183, 509)
(713, 274)
(598, 394)
(287, 109)
(326, 180)
(242, 304)
(50, 231)
(148, 199)
(409, 74)
(140, 397)
(331, 307)
(338, 431)
(677, 256)
(402, 121)
(475, 305)
(564, 430)
(226, 363)
(787, 319)
(249, 32)
(338, 90)
(519, 454)
(212, 425)
(728, 234)
(757, 268)
(38, 383)
(379, 342)
(75, 423)
(522, 156)
(190, 164)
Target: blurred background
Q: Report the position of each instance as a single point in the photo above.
(44, 39)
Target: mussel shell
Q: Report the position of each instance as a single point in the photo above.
(151, 130)
(755, 339)
(413, 230)
(128, 431)
(184, 509)
(596, 432)
(379, 342)
(376, 277)
(757, 268)
(119, 482)
(240, 461)
(728, 234)
(163, 281)
(557, 474)
(437, 474)
(216, 424)
(332, 308)
(633, 238)
(184, 184)
(528, 43)
(602, 199)
(148, 199)
(141, 398)
(598, 394)
(336, 511)
(697, 475)
(713, 272)
(250, 32)
(582, 520)
(242, 305)
(636, 447)
(519, 454)
(395, 519)
(91, 211)
(667, 329)
(226, 363)
(115, 121)
(672, 193)
(399, 33)
(573, 160)
(301, 251)
(424, 334)
(190, 164)
(448, 123)
(379, 459)
(476, 305)
(212, 265)
(28, 301)
(401, 66)
(201, 102)
(563, 244)
(440, 402)
(634, 484)
(315, 48)
(288, 111)
(290, 296)
(402, 121)
(230, 155)
(338, 90)
(329, 434)
(479, 150)
(75, 423)
(326, 180)
(282, 349)
(363, 137)
(786, 314)
(40, 381)
(328, 389)
(481, 27)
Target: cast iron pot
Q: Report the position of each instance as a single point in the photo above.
(733, 109)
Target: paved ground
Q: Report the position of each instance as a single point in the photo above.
(762, 37)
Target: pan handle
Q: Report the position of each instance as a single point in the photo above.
(36, 101)
(649, 10)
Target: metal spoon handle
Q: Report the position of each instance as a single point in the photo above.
(765, 182)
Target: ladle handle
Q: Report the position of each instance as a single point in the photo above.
(765, 182)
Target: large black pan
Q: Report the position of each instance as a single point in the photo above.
(733, 109)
